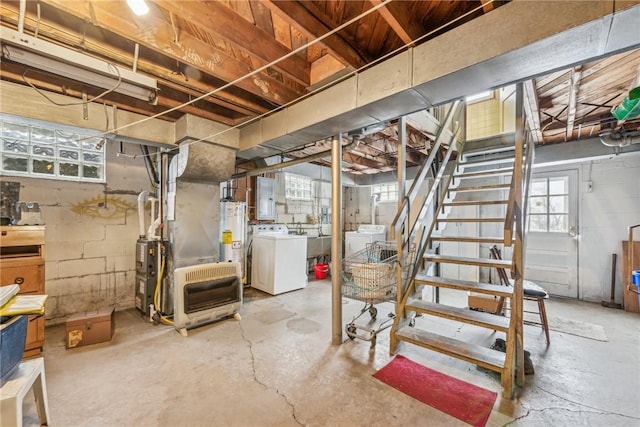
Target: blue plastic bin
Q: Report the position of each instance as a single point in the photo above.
(635, 279)
(13, 334)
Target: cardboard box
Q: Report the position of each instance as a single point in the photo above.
(483, 302)
(90, 328)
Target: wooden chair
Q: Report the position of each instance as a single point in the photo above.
(532, 292)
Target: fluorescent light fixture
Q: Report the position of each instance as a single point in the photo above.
(40, 54)
(139, 7)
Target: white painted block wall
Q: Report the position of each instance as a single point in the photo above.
(91, 233)
(605, 215)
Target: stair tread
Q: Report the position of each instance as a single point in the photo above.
(482, 162)
(490, 359)
(472, 239)
(465, 285)
(478, 318)
(470, 219)
(496, 172)
(482, 262)
(476, 202)
(481, 187)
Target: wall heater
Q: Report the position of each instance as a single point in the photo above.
(205, 293)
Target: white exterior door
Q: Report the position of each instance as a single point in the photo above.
(552, 242)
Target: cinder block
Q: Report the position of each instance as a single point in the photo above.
(78, 232)
(122, 231)
(105, 248)
(81, 267)
(121, 263)
(50, 272)
(63, 250)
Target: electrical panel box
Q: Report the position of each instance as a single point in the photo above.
(266, 198)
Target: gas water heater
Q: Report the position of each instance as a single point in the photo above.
(233, 233)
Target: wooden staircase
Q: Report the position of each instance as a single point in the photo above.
(480, 179)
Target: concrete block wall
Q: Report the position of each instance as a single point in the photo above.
(91, 232)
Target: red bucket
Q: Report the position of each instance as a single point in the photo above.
(321, 270)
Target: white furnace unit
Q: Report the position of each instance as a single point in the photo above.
(279, 259)
(355, 241)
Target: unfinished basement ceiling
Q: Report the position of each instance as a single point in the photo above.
(235, 48)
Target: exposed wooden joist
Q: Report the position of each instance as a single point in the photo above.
(576, 74)
(395, 25)
(532, 111)
(156, 33)
(487, 5)
(57, 33)
(298, 16)
(232, 28)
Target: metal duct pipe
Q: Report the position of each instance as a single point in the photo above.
(619, 139)
(253, 172)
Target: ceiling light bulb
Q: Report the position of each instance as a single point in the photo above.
(139, 7)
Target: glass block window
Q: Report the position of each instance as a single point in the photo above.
(549, 205)
(42, 149)
(297, 186)
(388, 192)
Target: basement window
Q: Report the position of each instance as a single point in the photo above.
(549, 205)
(479, 97)
(297, 186)
(388, 192)
(39, 149)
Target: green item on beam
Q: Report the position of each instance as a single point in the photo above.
(634, 93)
(627, 110)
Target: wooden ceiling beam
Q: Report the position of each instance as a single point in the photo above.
(55, 32)
(238, 32)
(356, 159)
(532, 111)
(487, 5)
(157, 34)
(576, 74)
(298, 16)
(395, 25)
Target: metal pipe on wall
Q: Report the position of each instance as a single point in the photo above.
(336, 241)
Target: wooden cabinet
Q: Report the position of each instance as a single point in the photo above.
(630, 298)
(22, 263)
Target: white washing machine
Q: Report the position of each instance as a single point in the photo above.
(279, 259)
(355, 241)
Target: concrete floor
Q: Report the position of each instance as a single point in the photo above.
(277, 367)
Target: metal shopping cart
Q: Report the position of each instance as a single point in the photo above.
(370, 275)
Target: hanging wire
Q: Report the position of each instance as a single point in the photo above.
(288, 55)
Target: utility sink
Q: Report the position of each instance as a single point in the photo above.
(318, 246)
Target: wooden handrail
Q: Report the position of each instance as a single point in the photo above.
(403, 211)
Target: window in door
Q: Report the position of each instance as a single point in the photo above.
(549, 205)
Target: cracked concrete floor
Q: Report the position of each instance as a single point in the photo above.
(277, 367)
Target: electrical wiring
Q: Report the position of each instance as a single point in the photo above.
(67, 104)
(319, 89)
(293, 52)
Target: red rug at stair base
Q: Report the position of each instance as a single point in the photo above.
(466, 402)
